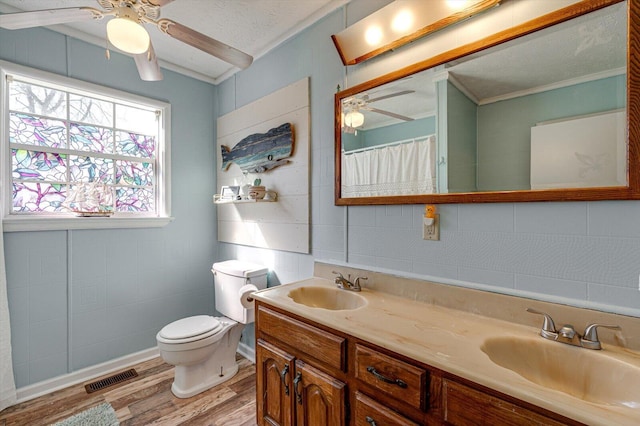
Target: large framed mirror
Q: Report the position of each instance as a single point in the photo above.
(544, 111)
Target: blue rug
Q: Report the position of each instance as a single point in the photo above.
(100, 415)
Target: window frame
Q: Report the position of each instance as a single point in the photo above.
(61, 221)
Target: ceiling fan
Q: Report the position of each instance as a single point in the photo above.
(125, 31)
(353, 118)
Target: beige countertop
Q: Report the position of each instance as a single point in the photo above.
(451, 340)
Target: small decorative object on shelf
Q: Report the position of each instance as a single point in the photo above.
(257, 192)
(90, 199)
(230, 193)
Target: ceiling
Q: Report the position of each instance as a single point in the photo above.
(252, 26)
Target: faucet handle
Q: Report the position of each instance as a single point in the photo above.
(590, 339)
(548, 326)
(337, 273)
(356, 282)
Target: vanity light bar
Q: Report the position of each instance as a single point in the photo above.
(402, 22)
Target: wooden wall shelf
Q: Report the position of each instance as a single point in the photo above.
(217, 199)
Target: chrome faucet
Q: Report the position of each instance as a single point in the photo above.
(567, 334)
(346, 284)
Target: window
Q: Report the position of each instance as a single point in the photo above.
(77, 149)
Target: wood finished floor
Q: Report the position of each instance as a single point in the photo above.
(147, 400)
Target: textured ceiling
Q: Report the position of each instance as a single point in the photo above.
(591, 45)
(252, 26)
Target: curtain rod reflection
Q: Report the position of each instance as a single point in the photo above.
(384, 145)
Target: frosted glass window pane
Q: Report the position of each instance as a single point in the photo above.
(89, 110)
(135, 145)
(136, 119)
(31, 197)
(34, 165)
(29, 98)
(90, 169)
(90, 138)
(134, 200)
(32, 130)
(134, 173)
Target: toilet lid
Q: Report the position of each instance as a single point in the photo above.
(190, 327)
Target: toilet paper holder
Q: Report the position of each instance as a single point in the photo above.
(246, 295)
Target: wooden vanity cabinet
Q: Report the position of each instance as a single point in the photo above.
(308, 374)
(296, 383)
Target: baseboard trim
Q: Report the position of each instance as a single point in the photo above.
(247, 351)
(47, 386)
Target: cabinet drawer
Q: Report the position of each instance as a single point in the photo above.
(396, 378)
(369, 412)
(314, 342)
(466, 406)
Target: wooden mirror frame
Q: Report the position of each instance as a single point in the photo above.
(629, 192)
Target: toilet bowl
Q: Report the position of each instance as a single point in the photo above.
(202, 347)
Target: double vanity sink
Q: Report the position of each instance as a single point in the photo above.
(589, 386)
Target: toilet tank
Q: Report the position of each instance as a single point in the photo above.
(231, 277)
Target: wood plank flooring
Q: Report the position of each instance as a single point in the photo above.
(147, 400)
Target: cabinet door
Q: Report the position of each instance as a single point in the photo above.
(466, 406)
(274, 368)
(320, 398)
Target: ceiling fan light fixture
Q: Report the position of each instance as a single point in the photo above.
(128, 35)
(354, 119)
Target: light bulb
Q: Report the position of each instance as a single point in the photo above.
(354, 119)
(373, 35)
(127, 35)
(402, 22)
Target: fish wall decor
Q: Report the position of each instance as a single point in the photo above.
(261, 152)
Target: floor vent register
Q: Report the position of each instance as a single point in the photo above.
(111, 380)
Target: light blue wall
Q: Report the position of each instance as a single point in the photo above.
(504, 128)
(400, 131)
(79, 298)
(581, 253)
(461, 158)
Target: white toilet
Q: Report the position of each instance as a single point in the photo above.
(203, 348)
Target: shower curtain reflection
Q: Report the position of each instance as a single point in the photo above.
(397, 168)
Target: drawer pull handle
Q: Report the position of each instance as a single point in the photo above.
(296, 382)
(385, 379)
(283, 375)
(370, 421)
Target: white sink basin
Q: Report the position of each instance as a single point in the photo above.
(334, 299)
(586, 374)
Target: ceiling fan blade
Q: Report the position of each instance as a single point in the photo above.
(147, 64)
(205, 43)
(392, 95)
(389, 113)
(39, 18)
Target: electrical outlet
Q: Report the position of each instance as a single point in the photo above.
(432, 232)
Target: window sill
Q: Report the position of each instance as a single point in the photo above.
(16, 224)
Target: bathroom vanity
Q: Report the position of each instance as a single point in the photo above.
(393, 360)
(308, 373)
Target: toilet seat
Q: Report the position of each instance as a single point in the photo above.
(190, 329)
